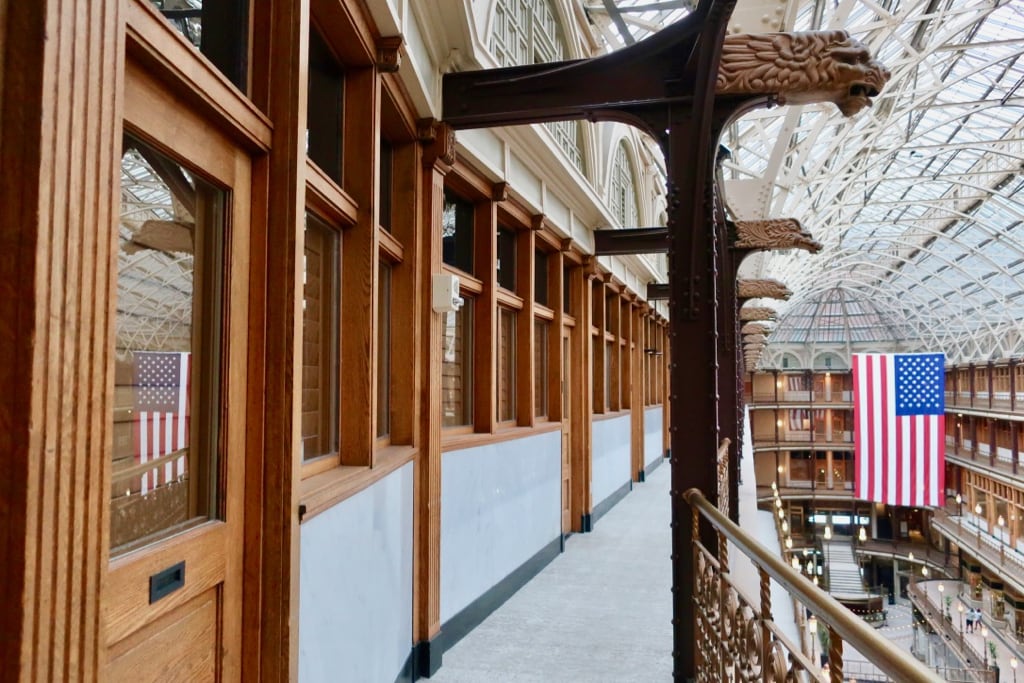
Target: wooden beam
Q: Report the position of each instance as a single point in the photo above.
(631, 241)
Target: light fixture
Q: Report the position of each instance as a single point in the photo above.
(782, 513)
(778, 423)
(959, 498)
(828, 532)
(977, 508)
(775, 487)
(862, 535)
(785, 527)
(812, 623)
(778, 502)
(1001, 521)
(795, 562)
(815, 580)
(910, 557)
(789, 542)
(924, 570)
(942, 588)
(780, 469)
(1013, 662)
(960, 607)
(984, 631)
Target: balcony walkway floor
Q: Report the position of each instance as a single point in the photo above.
(601, 611)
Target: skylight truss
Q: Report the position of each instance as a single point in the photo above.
(919, 200)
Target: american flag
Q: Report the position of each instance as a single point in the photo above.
(162, 406)
(899, 427)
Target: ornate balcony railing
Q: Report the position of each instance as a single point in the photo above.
(736, 637)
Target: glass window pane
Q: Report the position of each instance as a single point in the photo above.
(219, 29)
(540, 367)
(507, 259)
(320, 310)
(384, 351)
(457, 366)
(506, 365)
(457, 232)
(540, 277)
(167, 360)
(325, 113)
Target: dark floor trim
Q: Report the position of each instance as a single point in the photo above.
(586, 523)
(424, 661)
(653, 466)
(453, 630)
(609, 502)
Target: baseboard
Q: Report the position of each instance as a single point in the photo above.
(646, 472)
(456, 628)
(423, 662)
(609, 502)
(586, 523)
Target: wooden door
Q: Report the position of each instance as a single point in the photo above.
(566, 385)
(172, 595)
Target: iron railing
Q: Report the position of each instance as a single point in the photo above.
(736, 637)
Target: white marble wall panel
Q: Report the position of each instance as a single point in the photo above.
(355, 585)
(654, 422)
(500, 505)
(611, 468)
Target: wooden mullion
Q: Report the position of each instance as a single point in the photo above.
(407, 295)
(582, 408)
(58, 213)
(359, 272)
(525, 399)
(485, 333)
(270, 591)
(436, 159)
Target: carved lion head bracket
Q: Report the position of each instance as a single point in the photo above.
(774, 233)
(766, 288)
(748, 313)
(755, 328)
(801, 68)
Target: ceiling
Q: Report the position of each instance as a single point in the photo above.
(918, 200)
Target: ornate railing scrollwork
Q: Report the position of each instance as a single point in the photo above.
(736, 638)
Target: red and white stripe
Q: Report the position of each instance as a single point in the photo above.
(899, 458)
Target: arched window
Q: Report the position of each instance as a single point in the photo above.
(528, 32)
(622, 195)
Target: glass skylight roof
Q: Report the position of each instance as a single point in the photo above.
(919, 201)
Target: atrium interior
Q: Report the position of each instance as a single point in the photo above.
(333, 324)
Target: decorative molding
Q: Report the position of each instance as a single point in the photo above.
(438, 139)
(499, 192)
(389, 53)
(755, 339)
(801, 68)
(750, 313)
(774, 233)
(538, 222)
(765, 288)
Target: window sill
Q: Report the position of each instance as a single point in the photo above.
(325, 490)
(458, 442)
(611, 414)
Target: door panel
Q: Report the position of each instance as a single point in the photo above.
(172, 595)
(181, 646)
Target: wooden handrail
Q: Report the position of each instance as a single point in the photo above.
(898, 664)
